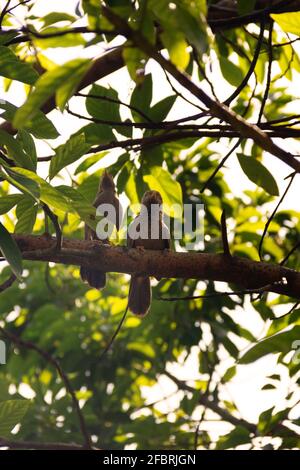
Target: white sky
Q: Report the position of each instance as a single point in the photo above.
(245, 387)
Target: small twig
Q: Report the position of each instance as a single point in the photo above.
(16, 6)
(51, 360)
(258, 290)
(6, 284)
(290, 253)
(273, 215)
(202, 70)
(286, 314)
(269, 73)
(75, 30)
(112, 339)
(245, 81)
(4, 12)
(54, 220)
(226, 249)
(222, 162)
(47, 279)
(112, 100)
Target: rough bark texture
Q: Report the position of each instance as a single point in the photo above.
(243, 272)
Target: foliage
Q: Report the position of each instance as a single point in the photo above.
(52, 309)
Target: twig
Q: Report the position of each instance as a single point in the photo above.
(178, 93)
(39, 445)
(51, 360)
(4, 12)
(9, 282)
(111, 341)
(226, 249)
(290, 253)
(259, 290)
(202, 70)
(222, 162)
(245, 81)
(286, 314)
(273, 215)
(54, 220)
(112, 100)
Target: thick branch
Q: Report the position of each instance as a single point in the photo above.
(217, 267)
(38, 445)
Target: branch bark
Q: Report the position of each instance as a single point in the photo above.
(39, 445)
(243, 272)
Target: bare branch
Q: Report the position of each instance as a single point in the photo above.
(9, 282)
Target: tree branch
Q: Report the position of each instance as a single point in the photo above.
(39, 445)
(216, 267)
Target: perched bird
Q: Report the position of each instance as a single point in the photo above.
(106, 195)
(147, 231)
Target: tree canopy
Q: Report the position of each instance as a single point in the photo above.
(196, 100)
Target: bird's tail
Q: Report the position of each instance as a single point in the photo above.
(139, 298)
(93, 277)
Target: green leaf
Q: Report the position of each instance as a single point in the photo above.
(12, 254)
(23, 183)
(56, 17)
(264, 420)
(41, 127)
(12, 67)
(177, 47)
(8, 202)
(89, 161)
(15, 150)
(231, 72)
(236, 437)
(280, 343)
(258, 174)
(67, 40)
(289, 22)
(161, 109)
(170, 190)
(26, 213)
(141, 98)
(135, 61)
(28, 145)
(103, 109)
(66, 90)
(49, 84)
(245, 6)
(11, 413)
(48, 194)
(6, 36)
(229, 374)
(68, 153)
(97, 133)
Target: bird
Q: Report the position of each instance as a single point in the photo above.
(106, 194)
(147, 231)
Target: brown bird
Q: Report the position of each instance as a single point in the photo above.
(147, 231)
(106, 195)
